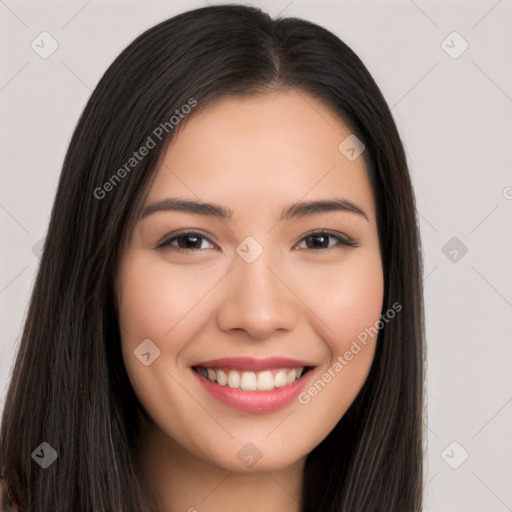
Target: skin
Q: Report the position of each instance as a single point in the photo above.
(254, 155)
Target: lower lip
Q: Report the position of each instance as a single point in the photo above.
(257, 402)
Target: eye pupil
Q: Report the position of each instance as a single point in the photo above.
(325, 240)
(194, 245)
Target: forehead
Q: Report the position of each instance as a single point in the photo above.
(260, 150)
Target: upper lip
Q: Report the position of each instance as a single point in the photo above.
(254, 363)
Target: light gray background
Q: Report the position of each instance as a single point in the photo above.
(454, 116)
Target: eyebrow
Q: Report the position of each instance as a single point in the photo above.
(294, 210)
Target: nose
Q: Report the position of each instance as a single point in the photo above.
(258, 300)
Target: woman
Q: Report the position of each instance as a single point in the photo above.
(228, 313)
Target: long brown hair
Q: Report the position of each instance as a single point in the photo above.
(69, 387)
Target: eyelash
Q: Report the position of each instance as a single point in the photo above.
(333, 234)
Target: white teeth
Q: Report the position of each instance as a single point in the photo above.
(265, 381)
(222, 378)
(291, 377)
(280, 379)
(248, 381)
(233, 379)
(253, 381)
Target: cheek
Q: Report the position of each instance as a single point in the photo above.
(348, 304)
(155, 303)
(161, 305)
(346, 297)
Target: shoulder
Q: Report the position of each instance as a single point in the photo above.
(6, 500)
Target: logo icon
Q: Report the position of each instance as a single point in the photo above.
(351, 147)
(44, 45)
(249, 454)
(147, 352)
(454, 455)
(454, 45)
(454, 249)
(37, 250)
(44, 455)
(249, 249)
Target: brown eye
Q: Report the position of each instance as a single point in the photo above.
(321, 240)
(189, 240)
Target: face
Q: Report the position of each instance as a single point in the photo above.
(242, 322)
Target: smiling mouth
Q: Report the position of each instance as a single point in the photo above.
(265, 380)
